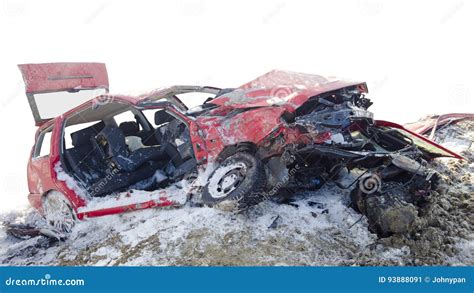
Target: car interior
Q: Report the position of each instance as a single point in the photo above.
(124, 150)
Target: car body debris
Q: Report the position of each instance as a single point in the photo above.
(24, 231)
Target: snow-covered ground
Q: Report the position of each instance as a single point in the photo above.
(318, 228)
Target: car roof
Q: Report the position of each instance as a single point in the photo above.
(265, 90)
(108, 104)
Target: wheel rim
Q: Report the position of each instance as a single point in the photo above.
(226, 179)
(58, 212)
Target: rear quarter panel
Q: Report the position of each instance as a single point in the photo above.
(39, 175)
(42, 177)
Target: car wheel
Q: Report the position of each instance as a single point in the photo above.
(58, 212)
(236, 184)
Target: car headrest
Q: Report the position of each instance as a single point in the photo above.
(162, 117)
(83, 136)
(115, 140)
(129, 128)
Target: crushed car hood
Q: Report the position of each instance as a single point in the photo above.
(283, 88)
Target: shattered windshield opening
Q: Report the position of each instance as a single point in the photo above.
(195, 100)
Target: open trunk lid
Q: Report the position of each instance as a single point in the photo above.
(54, 88)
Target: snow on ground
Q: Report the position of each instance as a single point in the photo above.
(271, 233)
(318, 228)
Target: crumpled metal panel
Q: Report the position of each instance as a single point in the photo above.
(283, 88)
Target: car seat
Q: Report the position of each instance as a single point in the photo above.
(81, 158)
(115, 150)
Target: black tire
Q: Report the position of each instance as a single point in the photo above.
(245, 187)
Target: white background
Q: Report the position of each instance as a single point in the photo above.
(417, 56)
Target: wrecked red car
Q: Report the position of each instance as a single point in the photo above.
(282, 130)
